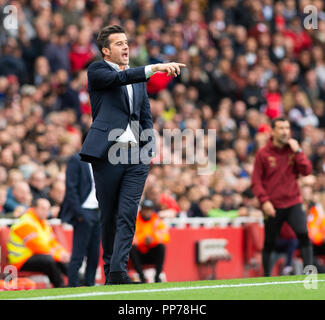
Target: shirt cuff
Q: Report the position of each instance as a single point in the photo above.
(148, 71)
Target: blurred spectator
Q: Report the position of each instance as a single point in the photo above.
(277, 49)
(11, 62)
(239, 74)
(313, 90)
(82, 51)
(299, 36)
(252, 94)
(38, 184)
(3, 197)
(68, 97)
(149, 242)
(57, 52)
(201, 208)
(184, 206)
(228, 207)
(168, 206)
(301, 115)
(56, 197)
(249, 205)
(18, 199)
(273, 99)
(7, 158)
(14, 175)
(70, 12)
(223, 84)
(289, 95)
(56, 193)
(33, 246)
(41, 70)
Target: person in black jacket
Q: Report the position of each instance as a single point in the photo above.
(80, 208)
(122, 123)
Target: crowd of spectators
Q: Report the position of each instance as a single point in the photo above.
(248, 61)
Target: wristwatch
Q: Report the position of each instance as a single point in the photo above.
(299, 150)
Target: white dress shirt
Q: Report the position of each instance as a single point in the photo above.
(128, 135)
(91, 201)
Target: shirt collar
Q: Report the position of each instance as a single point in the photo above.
(115, 66)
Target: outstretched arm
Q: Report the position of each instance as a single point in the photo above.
(100, 77)
(172, 68)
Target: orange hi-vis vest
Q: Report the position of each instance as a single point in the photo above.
(316, 224)
(30, 236)
(155, 227)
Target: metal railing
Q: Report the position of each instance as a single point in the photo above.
(10, 221)
(195, 222)
(180, 222)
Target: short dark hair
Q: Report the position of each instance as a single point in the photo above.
(275, 120)
(102, 39)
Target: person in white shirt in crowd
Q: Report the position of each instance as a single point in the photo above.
(80, 208)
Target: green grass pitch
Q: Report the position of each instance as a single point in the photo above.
(272, 288)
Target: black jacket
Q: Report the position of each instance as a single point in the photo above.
(111, 110)
(78, 187)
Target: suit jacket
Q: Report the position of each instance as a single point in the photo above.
(110, 107)
(78, 187)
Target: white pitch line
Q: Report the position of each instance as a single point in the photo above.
(111, 293)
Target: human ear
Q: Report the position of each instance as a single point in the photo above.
(106, 51)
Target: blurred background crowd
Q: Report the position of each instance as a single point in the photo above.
(248, 61)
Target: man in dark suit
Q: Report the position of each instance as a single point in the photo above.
(80, 208)
(121, 122)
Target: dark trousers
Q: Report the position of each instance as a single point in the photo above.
(296, 218)
(86, 241)
(119, 189)
(319, 251)
(155, 255)
(46, 264)
(287, 246)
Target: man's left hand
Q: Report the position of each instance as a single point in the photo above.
(294, 145)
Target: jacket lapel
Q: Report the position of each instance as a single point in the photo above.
(134, 87)
(126, 97)
(124, 89)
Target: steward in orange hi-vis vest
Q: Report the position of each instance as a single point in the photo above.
(155, 228)
(316, 224)
(151, 236)
(30, 236)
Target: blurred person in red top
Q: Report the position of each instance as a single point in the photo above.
(296, 32)
(149, 241)
(82, 51)
(274, 182)
(273, 99)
